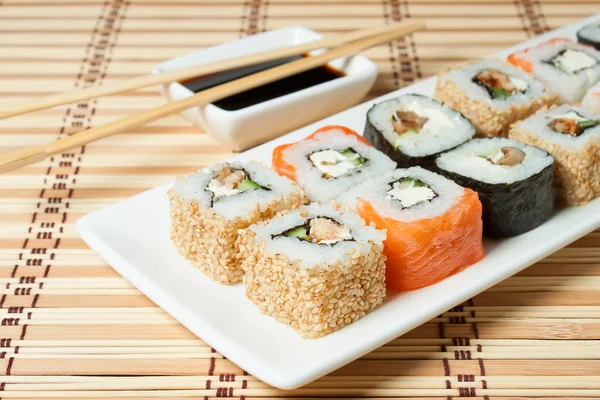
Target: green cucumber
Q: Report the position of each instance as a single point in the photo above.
(348, 153)
(298, 232)
(499, 93)
(558, 64)
(587, 123)
(247, 185)
(410, 182)
(358, 161)
(352, 157)
(489, 154)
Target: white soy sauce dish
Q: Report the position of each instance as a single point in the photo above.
(243, 128)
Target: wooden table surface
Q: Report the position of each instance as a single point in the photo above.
(73, 328)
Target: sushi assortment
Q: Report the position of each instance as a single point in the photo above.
(341, 218)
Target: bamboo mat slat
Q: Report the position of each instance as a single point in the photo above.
(71, 327)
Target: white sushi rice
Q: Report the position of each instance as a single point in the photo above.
(444, 129)
(465, 160)
(463, 78)
(591, 100)
(376, 192)
(194, 187)
(318, 188)
(539, 124)
(311, 254)
(571, 87)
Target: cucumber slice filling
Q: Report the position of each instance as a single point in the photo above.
(320, 230)
(229, 182)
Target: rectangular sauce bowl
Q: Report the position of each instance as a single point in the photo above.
(247, 127)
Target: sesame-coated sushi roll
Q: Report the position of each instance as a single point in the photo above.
(492, 94)
(208, 208)
(589, 35)
(414, 129)
(433, 225)
(572, 135)
(570, 69)
(316, 268)
(591, 100)
(514, 182)
(330, 161)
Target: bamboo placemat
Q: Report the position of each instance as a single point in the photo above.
(73, 328)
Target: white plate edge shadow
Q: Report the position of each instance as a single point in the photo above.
(299, 376)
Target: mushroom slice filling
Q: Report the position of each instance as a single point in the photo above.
(410, 191)
(572, 61)
(506, 156)
(572, 123)
(335, 163)
(320, 230)
(229, 182)
(407, 121)
(498, 84)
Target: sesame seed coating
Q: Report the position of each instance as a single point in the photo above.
(487, 119)
(313, 301)
(208, 240)
(576, 173)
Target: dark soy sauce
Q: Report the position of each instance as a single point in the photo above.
(266, 92)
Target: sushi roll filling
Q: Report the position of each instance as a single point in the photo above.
(507, 156)
(334, 163)
(410, 192)
(410, 121)
(498, 84)
(320, 230)
(572, 123)
(572, 61)
(407, 121)
(231, 181)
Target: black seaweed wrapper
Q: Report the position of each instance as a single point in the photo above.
(512, 209)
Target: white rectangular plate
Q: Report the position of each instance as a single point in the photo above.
(133, 237)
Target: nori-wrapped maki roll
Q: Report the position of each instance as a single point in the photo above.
(514, 182)
(413, 129)
(590, 35)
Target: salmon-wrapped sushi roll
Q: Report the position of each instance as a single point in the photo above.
(330, 161)
(434, 226)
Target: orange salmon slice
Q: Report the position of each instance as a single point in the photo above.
(421, 253)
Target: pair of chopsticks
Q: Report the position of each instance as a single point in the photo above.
(340, 45)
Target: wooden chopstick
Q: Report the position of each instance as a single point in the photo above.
(191, 72)
(30, 155)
